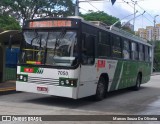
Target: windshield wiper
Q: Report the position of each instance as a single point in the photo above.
(45, 53)
(58, 39)
(37, 36)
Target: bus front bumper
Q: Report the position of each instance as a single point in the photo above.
(69, 92)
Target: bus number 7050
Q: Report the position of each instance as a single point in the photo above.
(63, 73)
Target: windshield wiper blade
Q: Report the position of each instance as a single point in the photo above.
(58, 39)
(45, 53)
(37, 36)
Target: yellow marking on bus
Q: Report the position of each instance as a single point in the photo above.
(116, 51)
(31, 62)
(33, 50)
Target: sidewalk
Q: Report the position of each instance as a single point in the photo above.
(7, 87)
(155, 73)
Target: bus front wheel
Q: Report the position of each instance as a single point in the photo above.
(101, 89)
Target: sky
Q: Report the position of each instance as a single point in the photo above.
(123, 8)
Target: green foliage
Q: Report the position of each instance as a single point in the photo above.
(157, 56)
(8, 23)
(128, 30)
(157, 50)
(29, 9)
(157, 45)
(100, 16)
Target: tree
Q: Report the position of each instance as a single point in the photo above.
(157, 56)
(8, 23)
(29, 9)
(128, 29)
(101, 16)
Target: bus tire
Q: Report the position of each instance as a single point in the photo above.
(138, 83)
(101, 89)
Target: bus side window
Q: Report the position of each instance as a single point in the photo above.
(134, 51)
(88, 49)
(104, 48)
(126, 49)
(116, 46)
(141, 52)
(146, 53)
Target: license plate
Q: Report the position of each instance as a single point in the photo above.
(42, 89)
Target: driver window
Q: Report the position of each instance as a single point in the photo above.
(88, 42)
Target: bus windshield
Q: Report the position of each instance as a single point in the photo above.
(57, 48)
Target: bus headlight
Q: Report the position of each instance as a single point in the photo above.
(68, 82)
(62, 82)
(25, 79)
(21, 77)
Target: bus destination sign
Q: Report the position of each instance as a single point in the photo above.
(50, 23)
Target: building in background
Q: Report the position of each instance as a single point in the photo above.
(157, 32)
(142, 33)
(150, 33)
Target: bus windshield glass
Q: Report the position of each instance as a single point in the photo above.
(57, 48)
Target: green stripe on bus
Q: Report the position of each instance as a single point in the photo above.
(129, 74)
(116, 76)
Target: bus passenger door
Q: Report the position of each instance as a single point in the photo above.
(88, 69)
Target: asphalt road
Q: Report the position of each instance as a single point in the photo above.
(124, 102)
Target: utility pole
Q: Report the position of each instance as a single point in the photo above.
(134, 3)
(77, 5)
(77, 8)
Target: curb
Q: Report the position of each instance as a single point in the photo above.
(7, 87)
(155, 74)
(9, 90)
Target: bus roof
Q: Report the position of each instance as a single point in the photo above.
(118, 31)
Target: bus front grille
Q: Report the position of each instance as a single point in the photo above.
(40, 80)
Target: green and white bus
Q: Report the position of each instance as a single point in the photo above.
(73, 58)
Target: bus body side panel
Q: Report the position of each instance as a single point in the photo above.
(88, 81)
(46, 81)
(91, 74)
(126, 74)
(146, 71)
(107, 66)
(121, 73)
